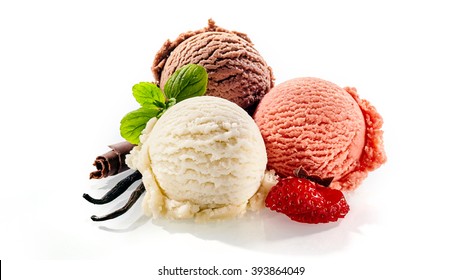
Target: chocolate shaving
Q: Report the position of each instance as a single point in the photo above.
(116, 191)
(302, 173)
(131, 201)
(112, 162)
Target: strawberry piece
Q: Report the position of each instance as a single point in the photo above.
(305, 201)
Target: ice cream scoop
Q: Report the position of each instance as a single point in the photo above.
(236, 70)
(326, 129)
(204, 158)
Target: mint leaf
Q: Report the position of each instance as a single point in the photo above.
(170, 103)
(159, 104)
(147, 93)
(188, 81)
(134, 122)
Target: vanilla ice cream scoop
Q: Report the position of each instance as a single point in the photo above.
(204, 158)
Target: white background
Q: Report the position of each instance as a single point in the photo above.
(66, 72)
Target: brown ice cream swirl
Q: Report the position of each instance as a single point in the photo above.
(236, 70)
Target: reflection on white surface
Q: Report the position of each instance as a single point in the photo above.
(265, 231)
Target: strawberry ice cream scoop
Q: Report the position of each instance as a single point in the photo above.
(326, 129)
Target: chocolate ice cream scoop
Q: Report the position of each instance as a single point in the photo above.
(236, 70)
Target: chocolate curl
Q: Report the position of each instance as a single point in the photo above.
(112, 162)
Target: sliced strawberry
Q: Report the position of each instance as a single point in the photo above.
(330, 213)
(306, 201)
(294, 196)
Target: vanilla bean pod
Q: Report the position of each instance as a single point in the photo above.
(116, 191)
(131, 201)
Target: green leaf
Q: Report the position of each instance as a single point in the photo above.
(159, 104)
(188, 81)
(170, 102)
(134, 122)
(147, 93)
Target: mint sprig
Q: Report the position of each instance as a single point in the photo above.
(134, 122)
(147, 93)
(188, 81)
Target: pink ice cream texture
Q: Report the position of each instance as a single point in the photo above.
(326, 129)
